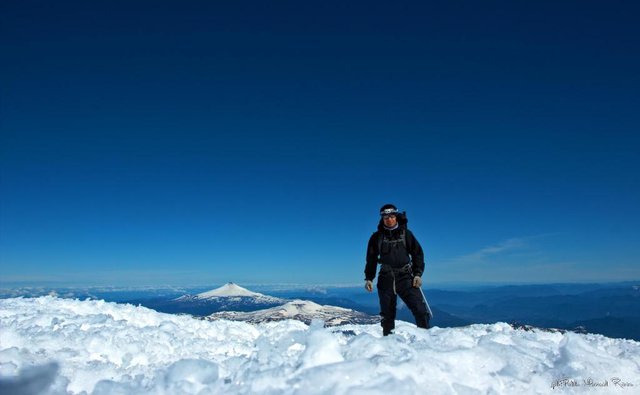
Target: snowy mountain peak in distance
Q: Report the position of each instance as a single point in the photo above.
(301, 310)
(230, 295)
(229, 289)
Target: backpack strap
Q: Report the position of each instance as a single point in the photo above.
(404, 242)
(403, 235)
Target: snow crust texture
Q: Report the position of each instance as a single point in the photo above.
(50, 345)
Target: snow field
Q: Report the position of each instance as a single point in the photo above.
(50, 345)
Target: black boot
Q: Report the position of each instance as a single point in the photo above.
(388, 326)
(422, 321)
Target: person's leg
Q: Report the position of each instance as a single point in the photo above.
(388, 301)
(412, 297)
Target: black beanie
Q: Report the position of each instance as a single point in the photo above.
(388, 207)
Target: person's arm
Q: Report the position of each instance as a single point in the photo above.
(372, 258)
(417, 255)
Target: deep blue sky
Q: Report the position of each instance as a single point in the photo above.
(199, 142)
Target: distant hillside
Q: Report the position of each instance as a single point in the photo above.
(620, 327)
(301, 310)
(612, 310)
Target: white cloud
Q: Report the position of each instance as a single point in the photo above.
(509, 245)
(493, 251)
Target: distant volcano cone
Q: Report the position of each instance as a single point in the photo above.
(229, 289)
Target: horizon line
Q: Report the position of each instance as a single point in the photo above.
(453, 284)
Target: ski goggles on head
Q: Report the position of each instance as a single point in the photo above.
(389, 212)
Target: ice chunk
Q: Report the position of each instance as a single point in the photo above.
(322, 347)
(192, 371)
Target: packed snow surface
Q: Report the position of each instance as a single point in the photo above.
(59, 346)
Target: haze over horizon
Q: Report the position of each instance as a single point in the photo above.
(254, 142)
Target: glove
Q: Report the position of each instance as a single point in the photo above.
(417, 282)
(368, 285)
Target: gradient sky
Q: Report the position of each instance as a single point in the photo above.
(197, 142)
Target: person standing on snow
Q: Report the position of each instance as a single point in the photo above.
(402, 265)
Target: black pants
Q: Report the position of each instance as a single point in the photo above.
(411, 296)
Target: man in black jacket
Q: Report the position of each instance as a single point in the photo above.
(402, 259)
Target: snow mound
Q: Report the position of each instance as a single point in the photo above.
(50, 345)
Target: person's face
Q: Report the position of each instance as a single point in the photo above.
(390, 220)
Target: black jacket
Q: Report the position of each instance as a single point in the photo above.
(393, 252)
